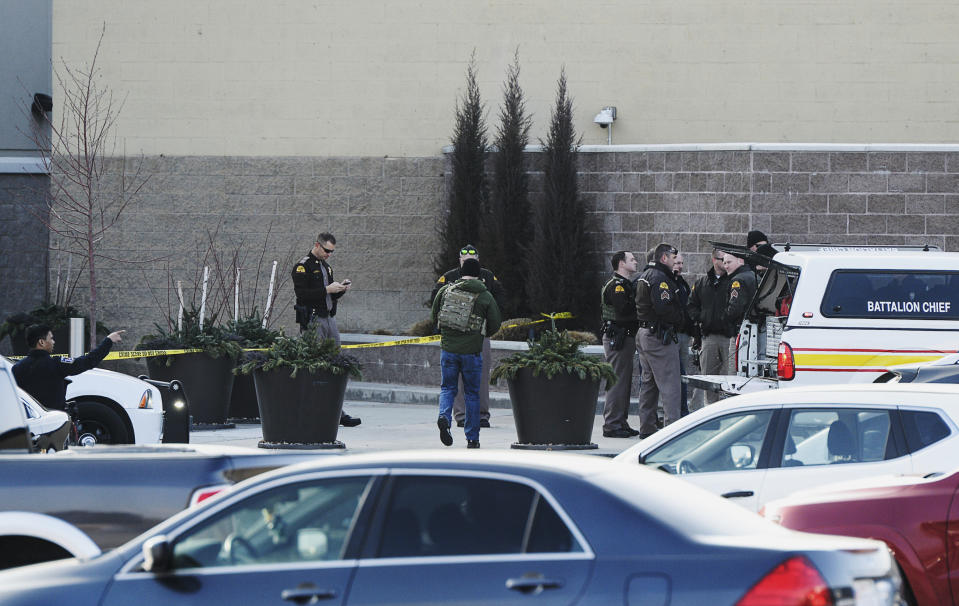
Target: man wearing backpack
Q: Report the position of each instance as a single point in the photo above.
(495, 287)
(465, 312)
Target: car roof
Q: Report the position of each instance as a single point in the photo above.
(840, 393)
(849, 257)
(578, 465)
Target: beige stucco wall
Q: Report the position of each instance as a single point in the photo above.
(380, 77)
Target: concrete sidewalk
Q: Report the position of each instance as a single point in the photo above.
(394, 393)
(400, 426)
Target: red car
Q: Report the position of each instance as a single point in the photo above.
(918, 518)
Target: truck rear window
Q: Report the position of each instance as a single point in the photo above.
(931, 295)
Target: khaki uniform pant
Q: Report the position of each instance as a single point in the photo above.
(660, 379)
(714, 360)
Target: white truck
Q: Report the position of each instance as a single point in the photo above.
(841, 314)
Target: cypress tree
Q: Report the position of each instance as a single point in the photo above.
(468, 191)
(506, 227)
(558, 273)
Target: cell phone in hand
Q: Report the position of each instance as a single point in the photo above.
(346, 282)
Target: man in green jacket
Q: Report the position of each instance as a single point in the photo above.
(465, 312)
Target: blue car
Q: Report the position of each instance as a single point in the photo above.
(473, 528)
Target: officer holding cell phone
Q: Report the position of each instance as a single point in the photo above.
(317, 293)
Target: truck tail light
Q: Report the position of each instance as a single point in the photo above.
(146, 400)
(202, 494)
(785, 364)
(795, 582)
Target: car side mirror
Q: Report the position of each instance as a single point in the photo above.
(311, 543)
(157, 554)
(741, 454)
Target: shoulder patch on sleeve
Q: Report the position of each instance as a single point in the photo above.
(735, 284)
(442, 280)
(664, 286)
(619, 288)
(300, 269)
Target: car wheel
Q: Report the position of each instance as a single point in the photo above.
(99, 424)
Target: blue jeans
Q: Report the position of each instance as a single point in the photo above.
(471, 367)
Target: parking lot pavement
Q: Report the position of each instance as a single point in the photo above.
(406, 426)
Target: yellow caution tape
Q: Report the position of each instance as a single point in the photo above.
(152, 353)
(563, 315)
(148, 353)
(128, 355)
(392, 343)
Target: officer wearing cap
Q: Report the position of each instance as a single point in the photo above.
(496, 289)
(660, 314)
(742, 287)
(619, 342)
(754, 240)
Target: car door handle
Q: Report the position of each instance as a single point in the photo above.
(532, 584)
(307, 595)
(736, 494)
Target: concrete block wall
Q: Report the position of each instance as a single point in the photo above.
(23, 243)
(836, 194)
(385, 213)
(381, 210)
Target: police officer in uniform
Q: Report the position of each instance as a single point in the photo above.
(619, 342)
(496, 289)
(660, 314)
(316, 296)
(742, 287)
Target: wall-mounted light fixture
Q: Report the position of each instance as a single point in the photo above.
(41, 104)
(605, 119)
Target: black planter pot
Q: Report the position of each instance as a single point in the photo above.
(553, 414)
(207, 382)
(302, 411)
(243, 406)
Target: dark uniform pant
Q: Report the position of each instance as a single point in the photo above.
(459, 406)
(660, 379)
(616, 409)
(325, 328)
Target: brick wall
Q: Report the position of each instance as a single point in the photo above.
(381, 210)
(385, 212)
(687, 198)
(23, 243)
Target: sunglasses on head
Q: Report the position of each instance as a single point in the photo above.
(467, 251)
